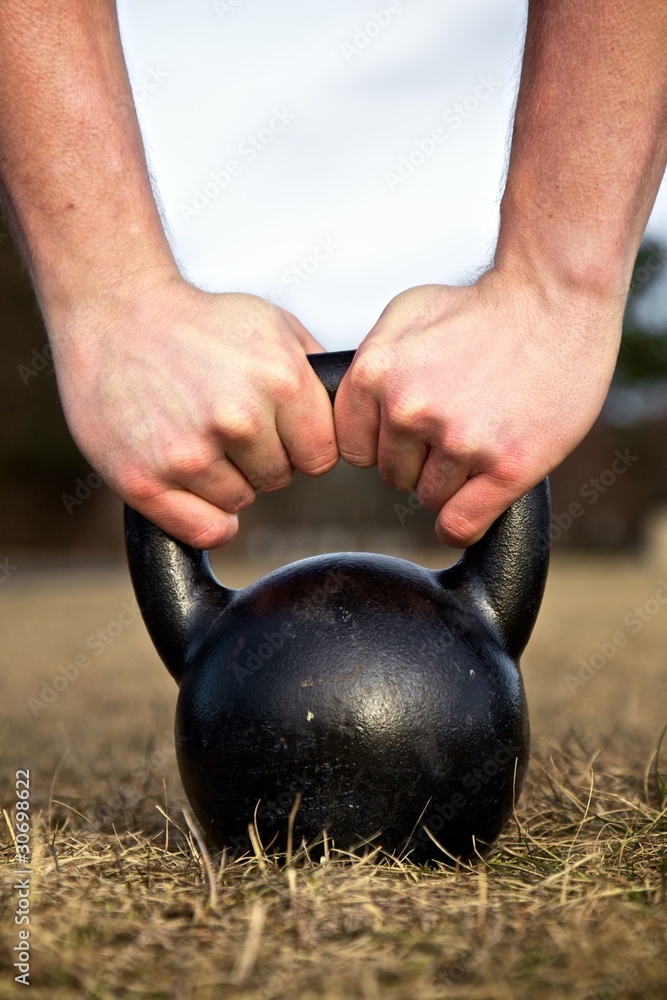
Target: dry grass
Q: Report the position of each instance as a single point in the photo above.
(572, 903)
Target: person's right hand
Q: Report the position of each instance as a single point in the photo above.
(188, 403)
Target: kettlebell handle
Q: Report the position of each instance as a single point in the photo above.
(173, 582)
(503, 575)
(330, 369)
(505, 572)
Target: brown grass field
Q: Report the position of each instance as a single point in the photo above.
(571, 902)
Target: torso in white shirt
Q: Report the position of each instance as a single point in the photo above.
(326, 155)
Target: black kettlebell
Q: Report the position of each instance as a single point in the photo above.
(386, 697)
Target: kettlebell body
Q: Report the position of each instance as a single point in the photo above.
(365, 695)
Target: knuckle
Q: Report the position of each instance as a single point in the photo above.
(186, 463)
(138, 489)
(238, 501)
(288, 383)
(407, 413)
(439, 482)
(511, 469)
(272, 479)
(368, 369)
(238, 424)
(457, 448)
(214, 534)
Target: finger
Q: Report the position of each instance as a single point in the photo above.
(221, 484)
(305, 337)
(305, 425)
(400, 458)
(357, 419)
(441, 478)
(254, 446)
(189, 518)
(472, 510)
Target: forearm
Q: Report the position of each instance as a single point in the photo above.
(72, 166)
(589, 145)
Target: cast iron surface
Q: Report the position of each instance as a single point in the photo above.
(387, 696)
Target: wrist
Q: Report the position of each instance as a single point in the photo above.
(556, 253)
(88, 285)
(545, 300)
(82, 312)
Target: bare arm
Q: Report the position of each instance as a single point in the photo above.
(73, 169)
(186, 402)
(471, 395)
(589, 145)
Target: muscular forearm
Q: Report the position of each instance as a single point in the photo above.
(72, 166)
(158, 381)
(589, 145)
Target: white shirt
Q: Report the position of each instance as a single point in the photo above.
(326, 154)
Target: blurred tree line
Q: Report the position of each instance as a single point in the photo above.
(51, 500)
(642, 359)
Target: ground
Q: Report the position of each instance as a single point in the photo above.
(572, 902)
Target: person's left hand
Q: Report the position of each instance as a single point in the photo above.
(471, 395)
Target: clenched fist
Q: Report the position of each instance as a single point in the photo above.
(188, 402)
(471, 395)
